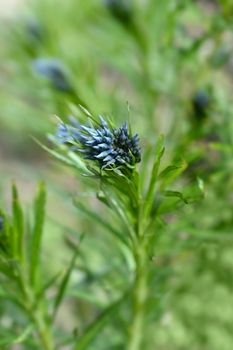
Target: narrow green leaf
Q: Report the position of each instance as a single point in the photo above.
(154, 174)
(99, 219)
(18, 224)
(177, 194)
(87, 113)
(169, 169)
(7, 239)
(70, 159)
(84, 295)
(55, 154)
(170, 173)
(6, 337)
(39, 214)
(143, 178)
(78, 163)
(64, 283)
(94, 328)
(7, 294)
(47, 285)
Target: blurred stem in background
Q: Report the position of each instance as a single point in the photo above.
(125, 13)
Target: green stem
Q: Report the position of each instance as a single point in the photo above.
(139, 299)
(37, 315)
(43, 330)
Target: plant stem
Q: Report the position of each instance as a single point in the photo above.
(43, 331)
(36, 314)
(139, 298)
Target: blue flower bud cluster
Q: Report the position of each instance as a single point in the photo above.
(110, 147)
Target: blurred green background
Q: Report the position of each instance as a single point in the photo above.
(168, 65)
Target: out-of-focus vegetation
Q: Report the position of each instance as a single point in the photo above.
(168, 66)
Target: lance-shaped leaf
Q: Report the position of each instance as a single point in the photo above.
(18, 224)
(94, 328)
(170, 173)
(36, 235)
(99, 219)
(64, 283)
(66, 156)
(154, 175)
(48, 284)
(6, 337)
(176, 194)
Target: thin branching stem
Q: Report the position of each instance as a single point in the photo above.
(140, 283)
(139, 298)
(36, 313)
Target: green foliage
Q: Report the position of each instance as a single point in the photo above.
(21, 277)
(153, 271)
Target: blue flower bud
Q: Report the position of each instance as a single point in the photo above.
(54, 71)
(103, 144)
(34, 30)
(201, 103)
